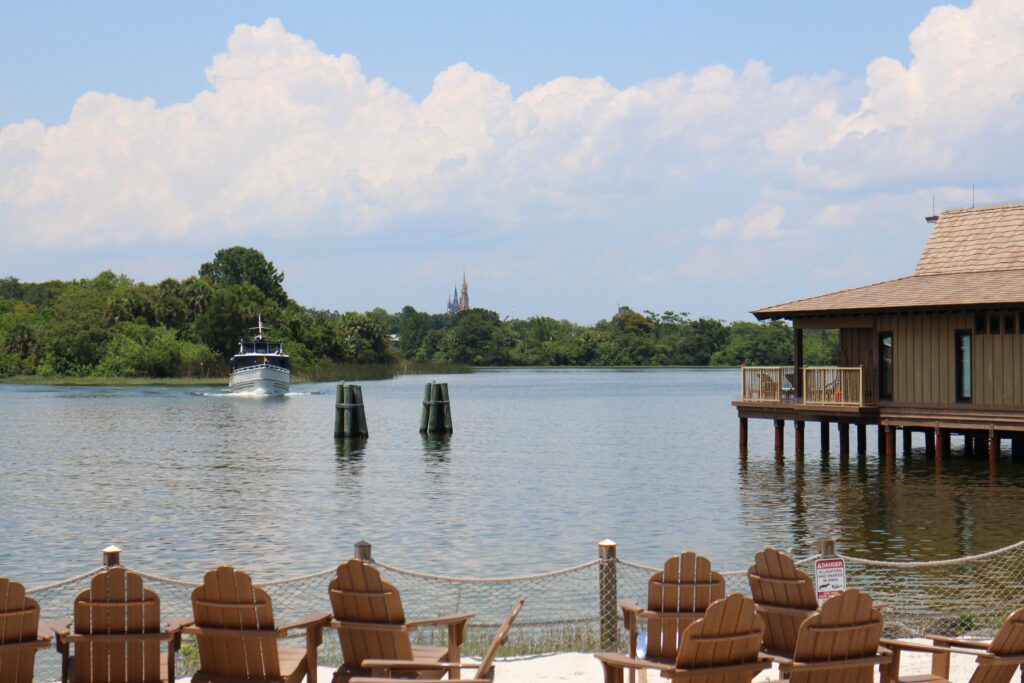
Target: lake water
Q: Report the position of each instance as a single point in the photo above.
(542, 465)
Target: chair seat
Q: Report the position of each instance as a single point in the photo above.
(163, 668)
(923, 678)
(420, 653)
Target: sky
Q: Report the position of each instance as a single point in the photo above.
(571, 157)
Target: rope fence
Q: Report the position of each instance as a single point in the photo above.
(576, 609)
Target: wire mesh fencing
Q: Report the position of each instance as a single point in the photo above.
(576, 609)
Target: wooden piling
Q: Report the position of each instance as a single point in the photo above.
(881, 440)
(362, 551)
(349, 413)
(929, 442)
(890, 445)
(968, 444)
(780, 436)
(1016, 447)
(607, 593)
(908, 442)
(862, 438)
(798, 426)
(743, 434)
(993, 447)
(844, 438)
(111, 556)
(824, 437)
(436, 416)
(940, 437)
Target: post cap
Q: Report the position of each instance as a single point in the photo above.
(111, 549)
(606, 543)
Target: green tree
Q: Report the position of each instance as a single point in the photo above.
(245, 265)
(231, 311)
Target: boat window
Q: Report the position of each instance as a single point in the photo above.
(885, 366)
(964, 370)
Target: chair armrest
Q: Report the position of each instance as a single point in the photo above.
(902, 645)
(320, 619)
(56, 627)
(448, 619)
(413, 665)
(617, 661)
(631, 606)
(178, 623)
(959, 642)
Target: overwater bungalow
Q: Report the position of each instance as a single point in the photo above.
(939, 351)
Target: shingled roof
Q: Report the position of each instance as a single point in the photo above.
(975, 257)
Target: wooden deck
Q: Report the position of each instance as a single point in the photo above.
(803, 412)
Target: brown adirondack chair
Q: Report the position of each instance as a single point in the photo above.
(371, 625)
(839, 643)
(722, 647)
(383, 669)
(117, 633)
(784, 596)
(676, 597)
(233, 622)
(997, 659)
(21, 634)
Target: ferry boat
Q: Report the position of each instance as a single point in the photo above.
(260, 366)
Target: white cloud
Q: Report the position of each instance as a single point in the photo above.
(289, 141)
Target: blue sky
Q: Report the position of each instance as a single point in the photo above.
(573, 157)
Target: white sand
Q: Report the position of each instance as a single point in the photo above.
(583, 668)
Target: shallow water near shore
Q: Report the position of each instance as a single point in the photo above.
(542, 465)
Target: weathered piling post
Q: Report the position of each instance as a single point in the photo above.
(929, 442)
(780, 436)
(993, 447)
(798, 438)
(826, 547)
(363, 551)
(844, 438)
(743, 434)
(908, 442)
(111, 556)
(349, 413)
(862, 438)
(940, 448)
(1016, 447)
(824, 437)
(890, 445)
(881, 440)
(436, 417)
(608, 594)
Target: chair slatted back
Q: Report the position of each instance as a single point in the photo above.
(19, 623)
(846, 627)
(775, 582)
(730, 633)
(228, 600)
(116, 602)
(487, 663)
(682, 590)
(1009, 642)
(360, 596)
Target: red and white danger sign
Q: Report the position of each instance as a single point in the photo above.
(829, 578)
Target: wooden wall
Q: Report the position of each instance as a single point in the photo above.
(924, 363)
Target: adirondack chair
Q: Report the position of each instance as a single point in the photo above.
(21, 633)
(371, 625)
(676, 597)
(117, 633)
(383, 668)
(839, 643)
(722, 647)
(784, 596)
(233, 622)
(997, 659)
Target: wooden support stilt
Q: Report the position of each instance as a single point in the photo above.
(929, 442)
(743, 434)
(940, 437)
(1017, 447)
(844, 438)
(890, 445)
(862, 439)
(798, 426)
(824, 437)
(968, 444)
(780, 435)
(947, 443)
(881, 440)
(908, 442)
(993, 447)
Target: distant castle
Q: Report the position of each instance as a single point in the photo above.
(459, 301)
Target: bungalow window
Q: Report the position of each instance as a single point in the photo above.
(885, 366)
(979, 323)
(1010, 323)
(964, 374)
(993, 323)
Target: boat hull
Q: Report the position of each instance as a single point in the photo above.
(272, 381)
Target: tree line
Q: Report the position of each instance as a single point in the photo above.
(112, 326)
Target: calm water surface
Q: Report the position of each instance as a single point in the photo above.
(542, 465)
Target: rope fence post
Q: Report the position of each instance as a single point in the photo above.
(363, 551)
(111, 556)
(608, 594)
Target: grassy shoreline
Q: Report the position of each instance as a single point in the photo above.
(114, 381)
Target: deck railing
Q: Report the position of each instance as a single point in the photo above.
(825, 386)
(769, 384)
(831, 386)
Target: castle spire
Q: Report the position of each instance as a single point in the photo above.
(464, 300)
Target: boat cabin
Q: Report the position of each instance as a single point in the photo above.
(940, 351)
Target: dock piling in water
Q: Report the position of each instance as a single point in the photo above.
(436, 417)
(349, 413)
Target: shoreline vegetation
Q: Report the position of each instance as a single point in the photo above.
(110, 328)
